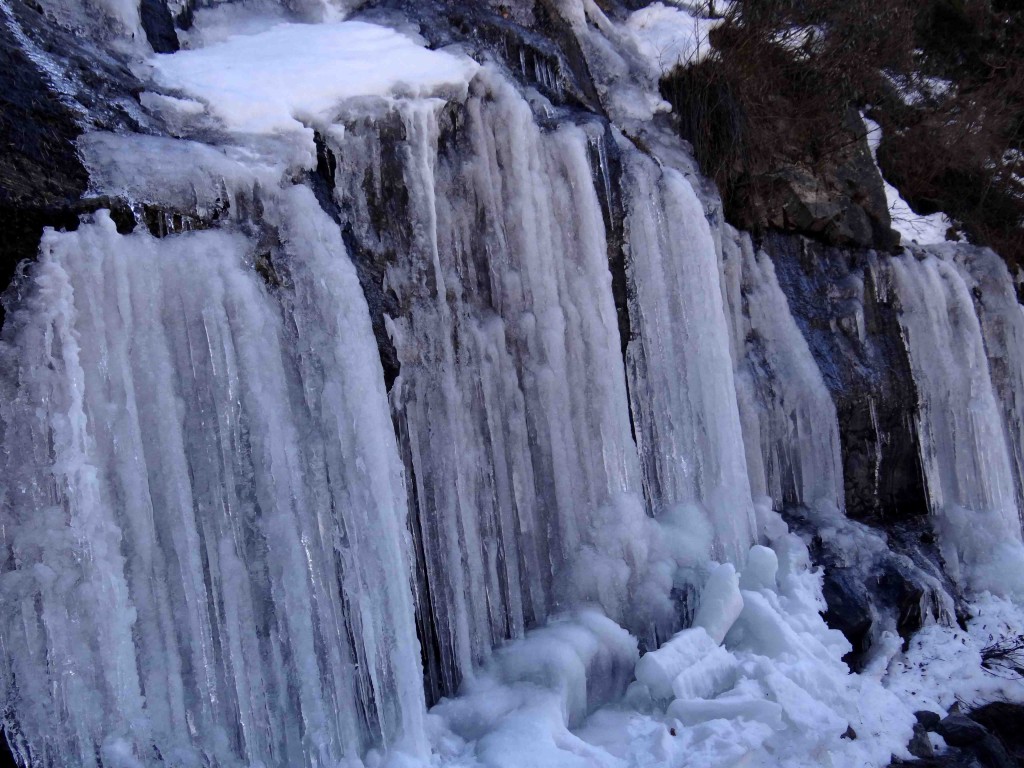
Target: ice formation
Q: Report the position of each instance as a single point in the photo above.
(392, 463)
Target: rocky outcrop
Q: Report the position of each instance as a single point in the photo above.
(41, 176)
(770, 177)
(839, 200)
(53, 85)
(986, 737)
(843, 302)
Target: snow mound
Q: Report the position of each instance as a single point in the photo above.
(268, 81)
(760, 683)
(670, 37)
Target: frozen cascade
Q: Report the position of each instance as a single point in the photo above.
(968, 467)
(226, 546)
(789, 420)
(205, 506)
(511, 402)
(1002, 327)
(680, 372)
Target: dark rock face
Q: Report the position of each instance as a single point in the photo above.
(839, 298)
(158, 25)
(40, 173)
(42, 179)
(771, 179)
(842, 202)
(887, 581)
(530, 38)
(987, 737)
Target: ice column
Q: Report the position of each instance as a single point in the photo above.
(789, 419)
(1002, 327)
(205, 506)
(511, 404)
(968, 469)
(680, 372)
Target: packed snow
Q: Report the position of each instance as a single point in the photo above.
(293, 75)
(913, 227)
(671, 36)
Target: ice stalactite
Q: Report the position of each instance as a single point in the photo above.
(205, 508)
(967, 464)
(1002, 328)
(680, 371)
(510, 406)
(789, 421)
(259, 493)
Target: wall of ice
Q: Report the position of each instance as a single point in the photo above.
(442, 366)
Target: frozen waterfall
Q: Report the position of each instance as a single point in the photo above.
(205, 510)
(433, 422)
(968, 466)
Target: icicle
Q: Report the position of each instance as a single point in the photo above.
(208, 545)
(680, 373)
(789, 420)
(511, 403)
(967, 465)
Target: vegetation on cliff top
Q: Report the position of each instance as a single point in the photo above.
(944, 79)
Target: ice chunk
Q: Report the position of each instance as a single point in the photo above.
(720, 602)
(658, 669)
(762, 567)
(708, 676)
(694, 711)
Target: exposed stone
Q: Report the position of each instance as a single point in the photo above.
(920, 745)
(158, 26)
(960, 730)
(841, 304)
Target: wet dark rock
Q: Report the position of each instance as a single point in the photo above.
(920, 745)
(6, 753)
(989, 736)
(841, 303)
(531, 39)
(42, 178)
(1005, 721)
(960, 730)
(849, 607)
(877, 583)
(158, 26)
(40, 174)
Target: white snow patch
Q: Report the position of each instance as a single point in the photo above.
(293, 74)
(916, 89)
(913, 227)
(670, 37)
(943, 664)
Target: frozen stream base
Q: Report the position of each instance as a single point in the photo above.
(757, 681)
